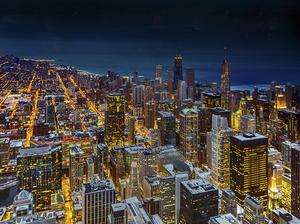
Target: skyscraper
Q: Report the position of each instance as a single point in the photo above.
(158, 73)
(138, 95)
(190, 77)
(248, 167)
(228, 202)
(98, 196)
(295, 171)
(39, 171)
(167, 126)
(115, 119)
(225, 84)
(220, 152)
(169, 81)
(76, 167)
(189, 134)
(253, 211)
(182, 90)
(199, 201)
(177, 70)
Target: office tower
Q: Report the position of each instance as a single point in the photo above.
(224, 219)
(166, 105)
(189, 134)
(204, 121)
(263, 111)
(50, 114)
(101, 159)
(286, 192)
(4, 151)
(199, 201)
(289, 91)
(247, 124)
(76, 167)
(169, 81)
(115, 120)
(167, 126)
(219, 152)
(295, 172)
(131, 129)
(98, 196)
(292, 122)
(248, 167)
(39, 171)
(167, 196)
(117, 165)
(211, 99)
(23, 204)
(177, 70)
(223, 113)
(158, 73)
(253, 211)
(133, 189)
(138, 95)
(225, 84)
(182, 172)
(154, 138)
(281, 216)
(228, 202)
(149, 114)
(190, 77)
(118, 214)
(286, 151)
(182, 90)
(90, 167)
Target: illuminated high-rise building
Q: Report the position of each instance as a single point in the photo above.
(177, 70)
(115, 120)
(219, 152)
(167, 196)
(211, 99)
(39, 171)
(253, 211)
(248, 167)
(281, 216)
(247, 124)
(292, 122)
(4, 151)
(169, 81)
(225, 84)
(295, 172)
(158, 73)
(228, 202)
(138, 95)
(286, 192)
(189, 134)
(149, 114)
(182, 90)
(167, 126)
(199, 201)
(190, 77)
(131, 129)
(98, 196)
(76, 167)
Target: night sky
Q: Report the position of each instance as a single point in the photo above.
(263, 37)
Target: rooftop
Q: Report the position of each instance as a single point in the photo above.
(198, 186)
(96, 184)
(249, 137)
(39, 150)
